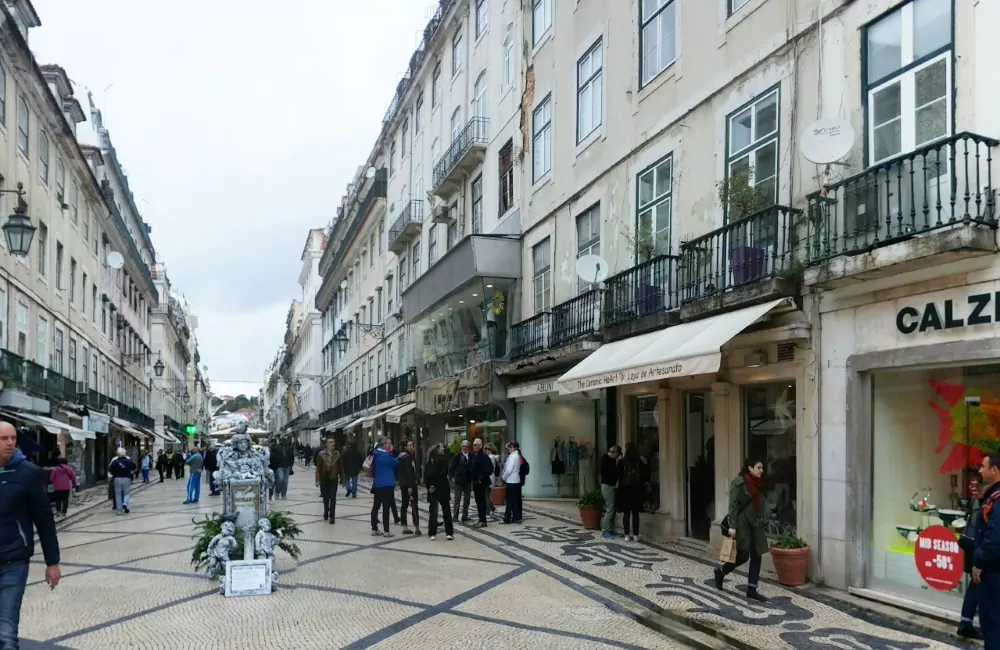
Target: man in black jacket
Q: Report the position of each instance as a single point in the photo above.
(23, 506)
(122, 469)
(211, 465)
(460, 473)
(406, 476)
(482, 480)
(352, 467)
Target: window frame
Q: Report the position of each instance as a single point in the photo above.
(42, 254)
(653, 204)
(23, 131)
(43, 156)
(543, 276)
(482, 18)
(431, 244)
(3, 95)
(60, 258)
(645, 22)
(544, 131)
(436, 94)
(404, 135)
(505, 197)
(546, 14)
(596, 77)
(476, 187)
(733, 6)
(756, 143)
(509, 59)
(457, 60)
(588, 247)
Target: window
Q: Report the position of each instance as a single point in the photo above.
(389, 295)
(364, 375)
(506, 178)
(381, 237)
(657, 38)
(436, 86)
(104, 318)
(85, 365)
(588, 238)
(57, 355)
(508, 60)
(22, 329)
(74, 192)
(22, 125)
(93, 301)
(752, 146)
(541, 19)
(542, 276)
(435, 152)
(43, 156)
(655, 203)
(402, 360)
(482, 17)
(477, 205)
(43, 248)
(769, 435)
(481, 105)
(456, 125)
(908, 78)
(42, 342)
(456, 53)
(418, 114)
(404, 138)
(364, 258)
(3, 95)
(392, 158)
(388, 358)
(415, 255)
(86, 221)
(402, 273)
(541, 138)
(83, 295)
(371, 247)
(590, 91)
(432, 242)
(452, 234)
(72, 281)
(736, 5)
(371, 371)
(61, 180)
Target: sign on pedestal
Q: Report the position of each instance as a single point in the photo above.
(248, 577)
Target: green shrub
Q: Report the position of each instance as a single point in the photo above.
(789, 540)
(593, 499)
(211, 525)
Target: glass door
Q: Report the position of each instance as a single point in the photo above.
(699, 448)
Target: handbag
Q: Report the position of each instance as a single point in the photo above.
(367, 465)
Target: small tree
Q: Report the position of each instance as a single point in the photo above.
(641, 242)
(741, 199)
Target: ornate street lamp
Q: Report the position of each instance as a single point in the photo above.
(18, 231)
(158, 367)
(296, 385)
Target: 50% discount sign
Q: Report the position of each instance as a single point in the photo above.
(940, 562)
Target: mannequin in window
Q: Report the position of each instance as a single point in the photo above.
(558, 464)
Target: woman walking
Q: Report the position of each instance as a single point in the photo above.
(747, 514)
(630, 491)
(63, 481)
(438, 491)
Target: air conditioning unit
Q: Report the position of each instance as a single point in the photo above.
(111, 409)
(441, 214)
(81, 388)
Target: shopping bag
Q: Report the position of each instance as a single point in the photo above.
(367, 465)
(728, 551)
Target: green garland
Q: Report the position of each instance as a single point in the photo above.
(211, 525)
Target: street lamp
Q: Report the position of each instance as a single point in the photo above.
(296, 385)
(158, 367)
(18, 230)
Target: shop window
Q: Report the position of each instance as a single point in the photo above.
(769, 435)
(645, 423)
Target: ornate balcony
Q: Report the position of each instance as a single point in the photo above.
(466, 152)
(407, 226)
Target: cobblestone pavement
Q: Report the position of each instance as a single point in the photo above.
(128, 583)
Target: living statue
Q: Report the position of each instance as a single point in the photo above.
(219, 549)
(265, 541)
(241, 461)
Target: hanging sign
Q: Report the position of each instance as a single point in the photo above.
(940, 562)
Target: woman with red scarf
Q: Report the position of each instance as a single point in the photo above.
(747, 514)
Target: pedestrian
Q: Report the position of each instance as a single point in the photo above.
(438, 492)
(178, 463)
(747, 513)
(211, 465)
(63, 482)
(482, 479)
(460, 471)
(352, 467)
(161, 464)
(497, 471)
(512, 477)
(986, 563)
(197, 463)
(406, 475)
(121, 471)
(284, 462)
(168, 464)
(383, 484)
(147, 462)
(631, 492)
(609, 481)
(329, 474)
(23, 506)
(307, 455)
(967, 542)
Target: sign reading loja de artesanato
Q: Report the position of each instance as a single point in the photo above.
(976, 309)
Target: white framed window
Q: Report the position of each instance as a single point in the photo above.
(22, 125)
(482, 17)
(22, 329)
(657, 38)
(541, 138)
(452, 234)
(392, 158)
(541, 260)
(415, 256)
(477, 205)
(371, 247)
(59, 266)
(42, 244)
(404, 138)
(42, 341)
(402, 360)
(85, 365)
(418, 114)
(435, 152)
(57, 352)
(43, 156)
(436, 86)
(655, 203)
(74, 215)
(590, 91)
(457, 58)
(752, 145)
(588, 238)
(480, 105)
(72, 281)
(3, 95)
(541, 19)
(402, 273)
(432, 241)
(509, 59)
(456, 125)
(909, 78)
(61, 179)
(736, 5)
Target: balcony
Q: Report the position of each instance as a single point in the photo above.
(576, 319)
(530, 336)
(744, 262)
(466, 152)
(916, 211)
(639, 299)
(407, 226)
(556, 338)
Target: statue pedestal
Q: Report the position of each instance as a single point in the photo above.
(248, 577)
(246, 498)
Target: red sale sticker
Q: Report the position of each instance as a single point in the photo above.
(940, 562)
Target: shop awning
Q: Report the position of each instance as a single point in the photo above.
(396, 414)
(338, 423)
(354, 423)
(366, 422)
(684, 350)
(55, 427)
(127, 426)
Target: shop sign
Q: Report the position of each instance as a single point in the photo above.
(527, 390)
(977, 309)
(95, 424)
(631, 376)
(940, 562)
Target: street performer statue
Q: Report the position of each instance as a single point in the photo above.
(240, 461)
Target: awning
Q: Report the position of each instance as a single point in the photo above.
(366, 422)
(125, 424)
(394, 415)
(338, 423)
(684, 350)
(55, 427)
(354, 423)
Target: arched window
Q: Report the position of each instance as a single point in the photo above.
(479, 106)
(418, 183)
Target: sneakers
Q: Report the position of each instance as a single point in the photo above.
(967, 630)
(387, 534)
(376, 533)
(433, 538)
(451, 538)
(608, 535)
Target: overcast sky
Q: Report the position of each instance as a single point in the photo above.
(239, 123)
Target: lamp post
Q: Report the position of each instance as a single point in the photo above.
(18, 231)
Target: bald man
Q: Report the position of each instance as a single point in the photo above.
(23, 506)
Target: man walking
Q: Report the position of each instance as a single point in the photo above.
(406, 474)
(23, 506)
(512, 481)
(211, 465)
(284, 462)
(986, 565)
(161, 463)
(482, 480)
(178, 465)
(329, 474)
(196, 462)
(609, 479)
(122, 469)
(352, 467)
(460, 472)
(383, 484)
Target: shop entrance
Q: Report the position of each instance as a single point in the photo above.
(699, 448)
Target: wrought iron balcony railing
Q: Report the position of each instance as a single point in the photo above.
(475, 133)
(407, 225)
(530, 336)
(644, 289)
(576, 318)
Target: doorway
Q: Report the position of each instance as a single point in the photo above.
(699, 447)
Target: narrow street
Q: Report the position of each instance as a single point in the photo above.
(128, 583)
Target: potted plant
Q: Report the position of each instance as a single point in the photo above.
(498, 495)
(747, 245)
(211, 525)
(791, 559)
(591, 507)
(649, 294)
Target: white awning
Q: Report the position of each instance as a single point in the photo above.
(56, 427)
(684, 350)
(367, 421)
(396, 414)
(354, 423)
(338, 423)
(125, 424)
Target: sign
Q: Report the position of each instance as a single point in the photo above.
(977, 309)
(535, 388)
(940, 562)
(248, 577)
(686, 367)
(96, 423)
(245, 499)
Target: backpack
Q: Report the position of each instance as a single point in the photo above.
(496, 467)
(524, 469)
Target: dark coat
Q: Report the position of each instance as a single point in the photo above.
(23, 506)
(745, 519)
(987, 556)
(482, 469)
(460, 469)
(352, 462)
(406, 473)
(436, 476)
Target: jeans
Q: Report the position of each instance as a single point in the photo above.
(328, 490)
(462, 493)
(123, 493)
(608, 521)
(13, 580)
(352, 485)
(194, 487)
(481, 501)
(281, 481)
(741, 557)
(145, 475)
(61, 500)
(630, 514)
(513, 511)
(408, 497)
(970, 603)
(440, 499)
(383, 497)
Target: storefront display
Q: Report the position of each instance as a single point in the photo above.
(769, 436)
(647, 441)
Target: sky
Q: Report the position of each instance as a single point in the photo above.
(239, 124)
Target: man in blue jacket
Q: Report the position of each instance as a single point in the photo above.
(986, 566)
(23, 506)
(383, 484)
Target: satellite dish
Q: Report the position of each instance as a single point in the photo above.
(592, 268)
(115, 260)
(370, 173)
(827, 141)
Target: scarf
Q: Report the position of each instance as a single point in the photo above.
(755, 486)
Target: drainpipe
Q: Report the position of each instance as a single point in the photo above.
(817, 347)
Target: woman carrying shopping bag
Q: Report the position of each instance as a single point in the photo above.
(748, 513)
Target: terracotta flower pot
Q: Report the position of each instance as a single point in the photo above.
(591, 518)
(498, 496)
(792, 565)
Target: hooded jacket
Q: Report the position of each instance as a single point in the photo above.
(24, 505)
(384, 469)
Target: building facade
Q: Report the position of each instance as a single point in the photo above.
(306, 378)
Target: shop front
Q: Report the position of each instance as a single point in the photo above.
(921, 376)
